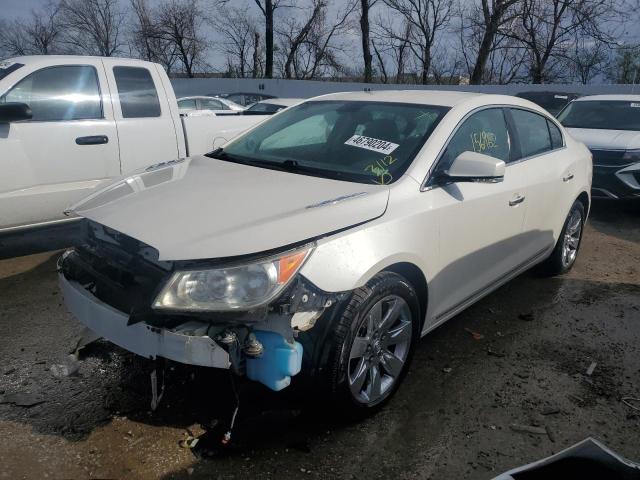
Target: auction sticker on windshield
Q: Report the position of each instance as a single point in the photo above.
(373, 144)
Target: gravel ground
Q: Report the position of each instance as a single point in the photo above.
(452, 418)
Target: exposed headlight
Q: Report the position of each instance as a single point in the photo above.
(232, 288)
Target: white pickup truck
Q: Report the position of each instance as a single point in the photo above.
(69, 124)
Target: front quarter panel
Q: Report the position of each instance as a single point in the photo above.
(407, 232)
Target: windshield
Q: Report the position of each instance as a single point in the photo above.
(7, 67)
(602, 114)
(365, 142)
(551, 102)
(265, 107)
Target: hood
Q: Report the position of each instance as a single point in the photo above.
(596, 139)
(206, 208)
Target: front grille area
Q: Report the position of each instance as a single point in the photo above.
(119, 270)
(609, 158)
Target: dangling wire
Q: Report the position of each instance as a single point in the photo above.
(227, 436)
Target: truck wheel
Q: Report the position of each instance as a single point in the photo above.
(566, 250)
(373, 344)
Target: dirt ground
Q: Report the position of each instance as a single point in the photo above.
(452, 418)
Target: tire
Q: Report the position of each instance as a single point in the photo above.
(368, 359)
(566, 250)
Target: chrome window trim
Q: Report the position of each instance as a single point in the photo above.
(424, 187)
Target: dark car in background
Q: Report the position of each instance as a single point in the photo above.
(609, 125)
(552, 102)
(269, 107)
(244, 98)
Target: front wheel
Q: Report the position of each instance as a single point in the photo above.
(566, 250)
(373, 343)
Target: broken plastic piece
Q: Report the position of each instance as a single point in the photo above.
(155, 398)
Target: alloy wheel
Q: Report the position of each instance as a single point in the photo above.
(571, 239)
(380, 350)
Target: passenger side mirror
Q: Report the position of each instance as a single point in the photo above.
(475, 167)
(14, 112)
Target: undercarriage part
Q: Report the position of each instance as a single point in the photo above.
(253, 348)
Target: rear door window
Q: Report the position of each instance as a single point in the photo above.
(483, 132)
(211, 104)
(533, 132)
(187, 104)
(137, 92)
(68, 92)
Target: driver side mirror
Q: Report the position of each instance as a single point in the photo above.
(475, 167)
(14, 112)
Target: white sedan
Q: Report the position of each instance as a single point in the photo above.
(203, 105)
(329, 238)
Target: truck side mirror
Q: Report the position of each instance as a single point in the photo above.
(14, 112)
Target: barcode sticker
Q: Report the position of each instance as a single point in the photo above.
(373, 144)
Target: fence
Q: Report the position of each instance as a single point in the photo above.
(311, 88)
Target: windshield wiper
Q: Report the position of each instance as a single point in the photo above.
(289, 165)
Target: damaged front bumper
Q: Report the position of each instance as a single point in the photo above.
(186, 343)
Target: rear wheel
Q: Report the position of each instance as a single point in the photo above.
(373, 343)
(565, 252)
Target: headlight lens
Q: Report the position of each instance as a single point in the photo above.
(233, 288)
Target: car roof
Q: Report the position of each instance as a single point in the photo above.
(445, 98)
(49, 59)
(623, 98)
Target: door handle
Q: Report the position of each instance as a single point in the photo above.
(567, 178)
(516, 201)
(92, 140)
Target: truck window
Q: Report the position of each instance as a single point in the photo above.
(136, 92)
(68, 92)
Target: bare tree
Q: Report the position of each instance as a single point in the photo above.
(547, 27)
(625, 66)
(481, 28)
(365, 35)
(268, 8)
(93, 27)
(310, 47)
(145, 42)
(587, 59)
(427, 18)
(179, 23)
(39, 34)
(240, 41)
(392, 42)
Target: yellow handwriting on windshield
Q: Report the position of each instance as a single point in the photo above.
(381, 171)
(483, 141)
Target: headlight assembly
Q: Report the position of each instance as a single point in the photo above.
(240, 287)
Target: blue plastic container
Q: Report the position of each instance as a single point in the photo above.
(279, 362)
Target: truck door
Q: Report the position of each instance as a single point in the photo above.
(67, 149)
(146, 130)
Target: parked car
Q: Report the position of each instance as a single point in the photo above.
(244, 98)
(269, 107)
(70, 124)
(330, 237)
(610, 126)
(208, 106)
(552, 102)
